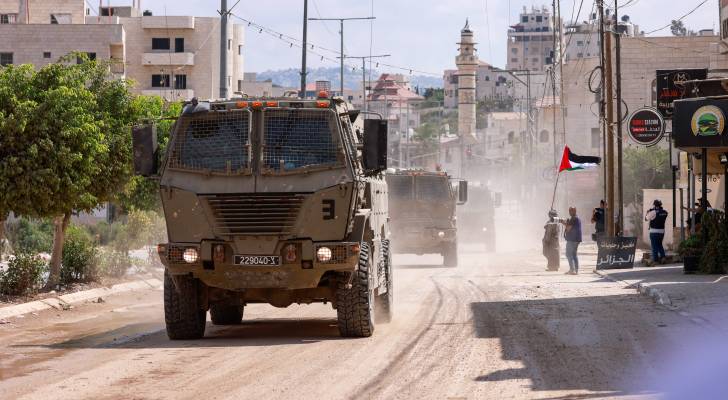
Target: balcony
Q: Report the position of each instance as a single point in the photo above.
(161, 22)
(168, 58)
(170, 94)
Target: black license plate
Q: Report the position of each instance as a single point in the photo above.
(258, 261)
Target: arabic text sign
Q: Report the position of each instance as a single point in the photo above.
(616, 252)
(670, 88)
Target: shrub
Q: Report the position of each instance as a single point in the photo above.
(114, 263)
(80, 257)
(24, 274)
(714, 259)
(30, 236)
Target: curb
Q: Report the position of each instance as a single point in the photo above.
(657, 295)
(65, 301)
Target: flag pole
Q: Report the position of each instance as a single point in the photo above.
(553, 199)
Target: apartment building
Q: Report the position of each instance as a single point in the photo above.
(176, 57)
(581, 39)
(490, 83)
(531, 41)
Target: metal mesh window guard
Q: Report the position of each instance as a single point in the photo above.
(400, 187)
(432, 188)
(216, 142)
(296, 139)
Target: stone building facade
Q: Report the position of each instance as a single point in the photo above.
(176, 57)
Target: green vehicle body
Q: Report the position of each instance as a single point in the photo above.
(256, 189)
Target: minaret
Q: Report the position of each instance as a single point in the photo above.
(467, 62)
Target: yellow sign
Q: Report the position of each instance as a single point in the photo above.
(708, 121)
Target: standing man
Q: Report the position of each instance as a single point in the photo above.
(657, 217)
(598, 219)
(551, 242)
(572, 234)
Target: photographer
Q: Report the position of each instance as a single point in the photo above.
(598, 217)
(657, 217)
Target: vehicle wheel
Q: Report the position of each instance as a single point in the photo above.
(450, 255)
(224, 314)
(385, 302)
(354, 306)
(184, 317)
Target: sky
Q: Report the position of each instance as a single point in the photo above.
(418, 34)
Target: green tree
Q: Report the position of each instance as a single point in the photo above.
(64, 141)
(428, 134)
(644, 168)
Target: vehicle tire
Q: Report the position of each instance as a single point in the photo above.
(450, 255)
(184, 317)
(355, 306)
(385, 302)
(224, 314)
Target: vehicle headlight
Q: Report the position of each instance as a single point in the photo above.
(441, 234)
(324, 254)
(190, 255)
(485, 229)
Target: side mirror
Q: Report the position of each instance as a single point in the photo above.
(374, 153)
(462, 192)
(144, 146)
(498, 199)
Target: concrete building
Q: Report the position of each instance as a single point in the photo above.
(581, 39)
(176, 57)
(531, 41)
(490, 83)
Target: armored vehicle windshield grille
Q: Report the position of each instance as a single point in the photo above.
(300, 138)
(432, 188)
(255, 214)
(216, 142)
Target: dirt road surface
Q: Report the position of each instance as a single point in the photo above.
(497, 327)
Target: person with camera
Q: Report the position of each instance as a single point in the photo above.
(572, 234)
(598, 217)
(657, 217)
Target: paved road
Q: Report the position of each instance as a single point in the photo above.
(497, 327)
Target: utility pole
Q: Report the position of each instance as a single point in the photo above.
(610, 133)
(364, 76)
(341, 32)
(618, 65)
(304, 50)
(602, 125)
(553, 84)
(224, 13)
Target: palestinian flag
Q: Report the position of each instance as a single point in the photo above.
(573, 162)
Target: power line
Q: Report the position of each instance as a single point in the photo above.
(679, 19)
(291, 41)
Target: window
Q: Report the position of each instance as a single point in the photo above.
(579, 55)
(160, 81)
(539, 18)
(8, 18)
(6, 59)
(544, 136)
(432, 188)
(91, 57)
(179, 45)
(596, 138)
(160, 43)
(180, 81)
(524, 19)
(240, 85)
(230, 44)
(514, 50)
(579, 43)
(515, 60)
(47, 54)
(240, 49)
(511, 137)
(487, 78)
(401, 186)
(63, 19)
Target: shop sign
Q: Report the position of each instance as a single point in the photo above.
(646, 126)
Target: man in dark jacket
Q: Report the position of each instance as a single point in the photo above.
(657, 217)
(572, 234)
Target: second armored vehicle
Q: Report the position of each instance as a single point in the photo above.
(422, 205)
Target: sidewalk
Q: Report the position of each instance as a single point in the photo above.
(703, 298)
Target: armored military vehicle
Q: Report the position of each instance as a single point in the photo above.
(422, 205)
(476, 220)
(275, 201)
